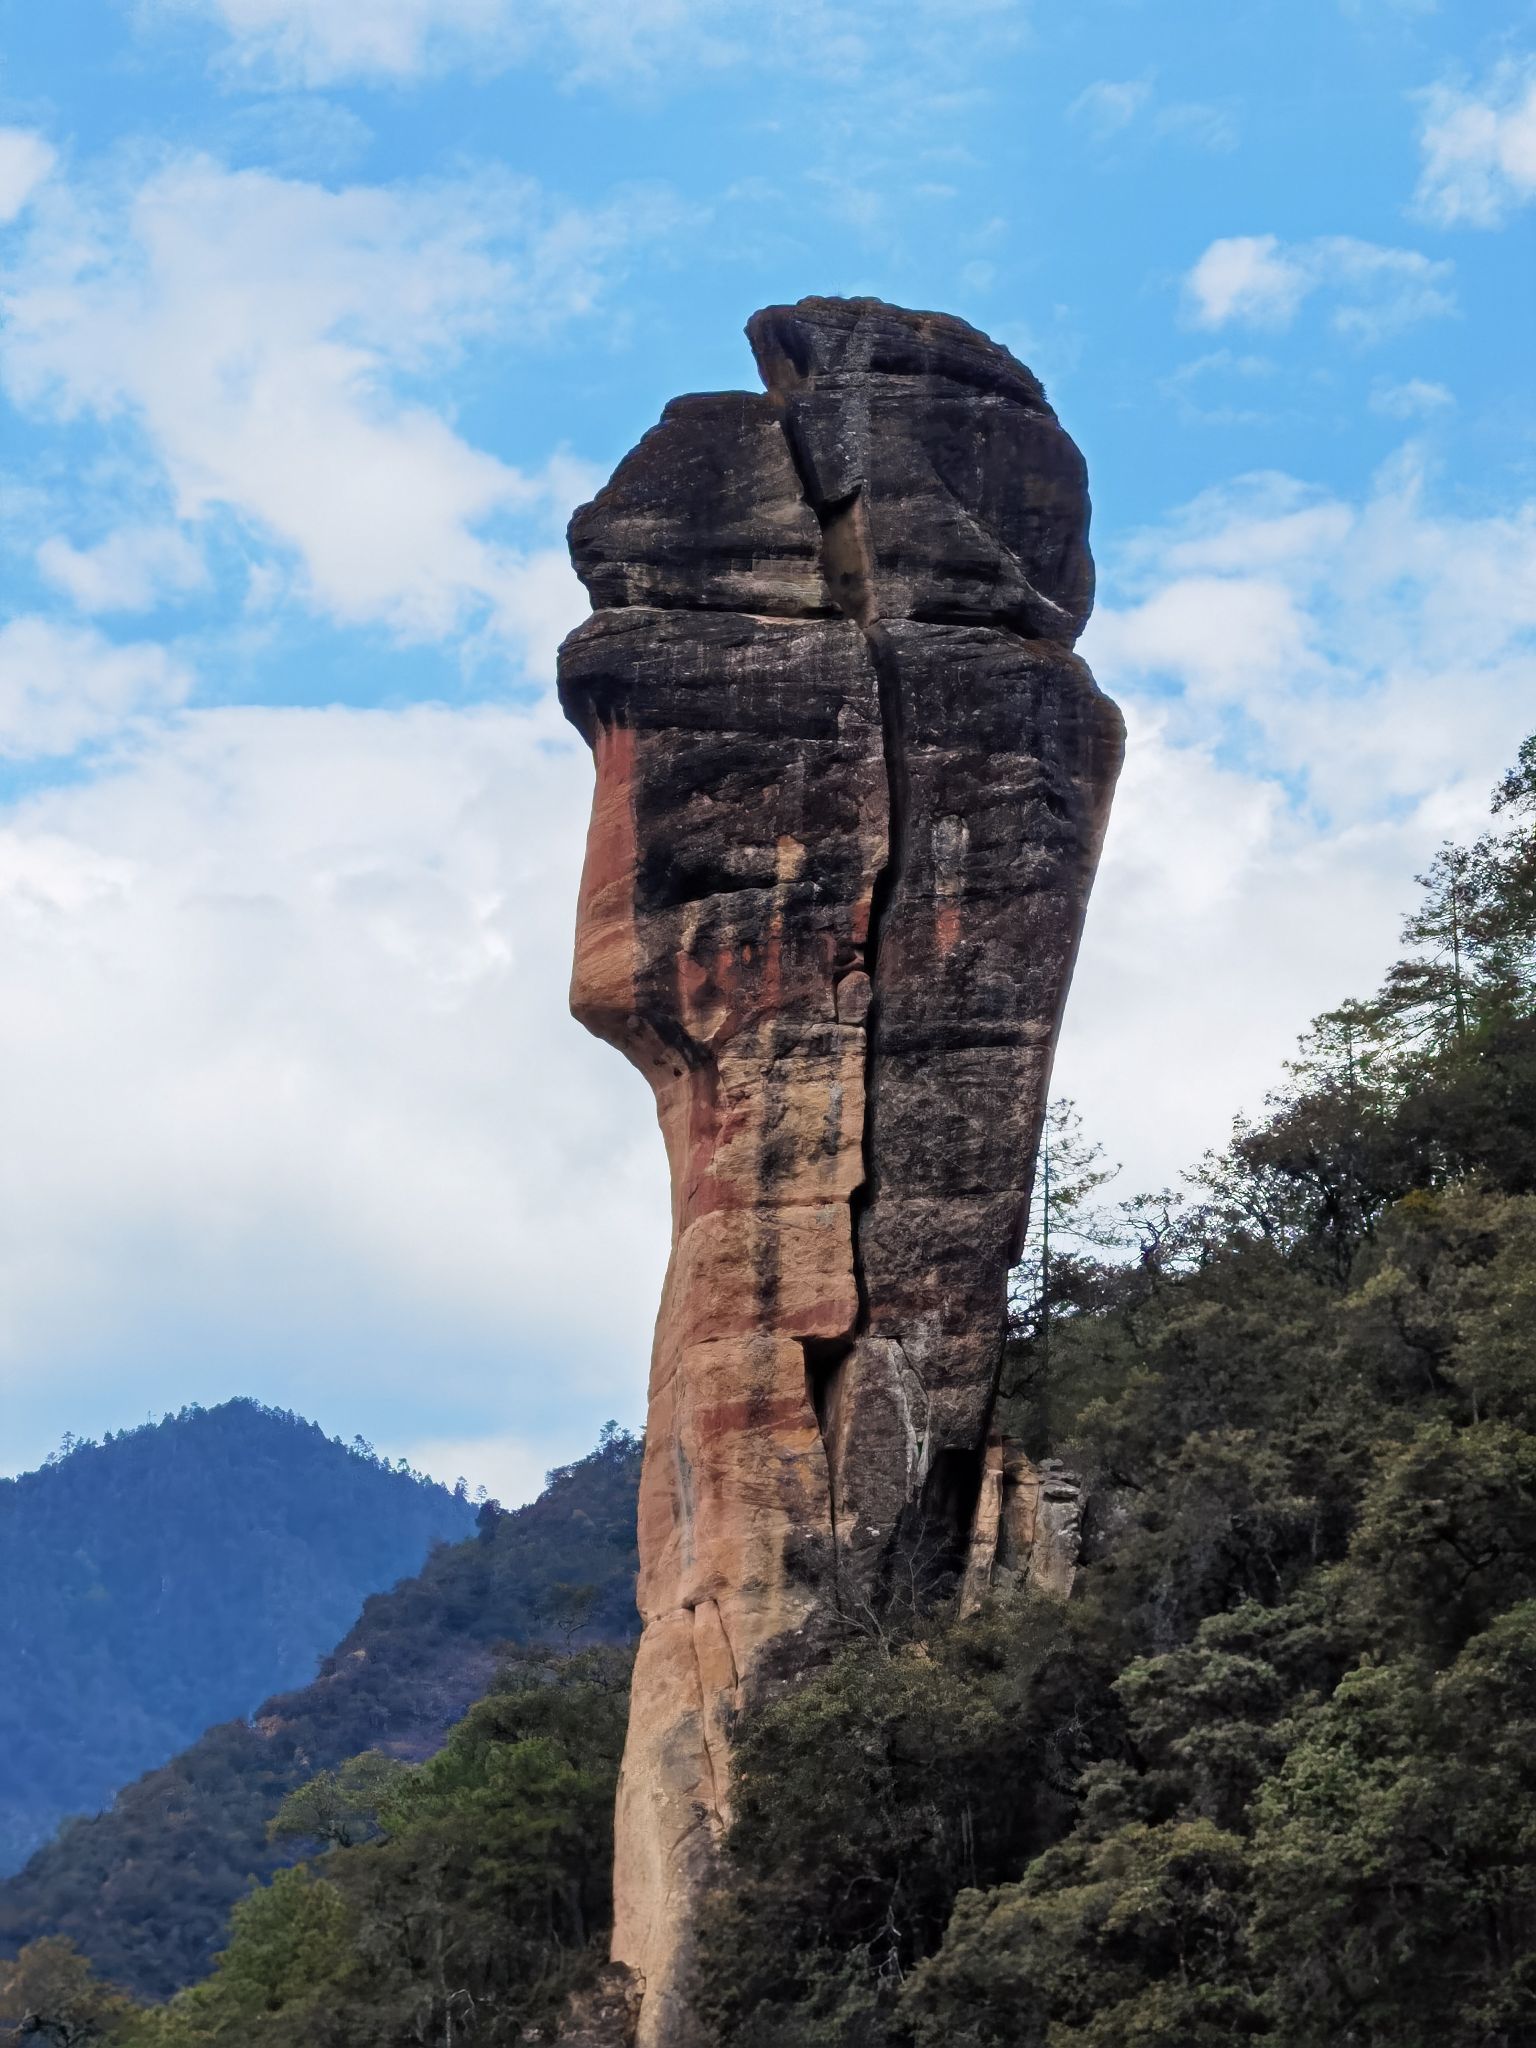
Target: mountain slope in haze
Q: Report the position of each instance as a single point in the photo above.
(174, 1575)
(145, 1889)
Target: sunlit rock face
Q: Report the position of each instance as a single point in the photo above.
(851, 788)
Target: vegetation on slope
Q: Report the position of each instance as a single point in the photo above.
(145, 1889)
(458, 1900)
(1270, 1774)
(174, 1575)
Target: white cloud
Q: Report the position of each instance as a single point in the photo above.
(1202, 388)
(1373, 652)
(313, 42)
(291, 1096)
(1247, 277)
(1415, 398)
(1259, 281)
(318, 42)
(26, 159)
(1479, 148)
(269, 335)
(127, 571)
(62, 687)
(1222, 920)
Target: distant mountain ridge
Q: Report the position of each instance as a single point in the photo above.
(172, 1576)
(145, 1889)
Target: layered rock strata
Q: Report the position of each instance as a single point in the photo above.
(851, 787)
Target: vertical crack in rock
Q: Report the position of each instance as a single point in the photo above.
(848, 567)
(851, 784)
(709, 1674)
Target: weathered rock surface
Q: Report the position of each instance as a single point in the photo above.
(851, 787)
(1026, 1529)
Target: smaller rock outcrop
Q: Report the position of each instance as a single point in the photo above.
(604, 2016)
(1027, 1528)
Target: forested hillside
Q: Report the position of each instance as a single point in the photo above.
(146, 1888)
(1269, 1774)
(174, 1575)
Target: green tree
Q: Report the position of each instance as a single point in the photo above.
(1065, 1219)
(1430, 997)
(288, 1979)
(1393, 1864)
(477, 1902)
(1134, 1941)
(145, 1888)
(337, 1809)
(50, 1995)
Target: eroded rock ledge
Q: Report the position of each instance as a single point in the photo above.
(851, 788)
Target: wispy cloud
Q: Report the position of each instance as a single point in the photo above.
(269, 339)
(127, 571)
(1200, 122)
(1109, 107)
(1479, 147)
(1260, 281)
(1220, 371)
(26, 159)
(1373, 649)
(322, 42)
(1417, 398)
(63, 687)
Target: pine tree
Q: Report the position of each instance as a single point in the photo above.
(1064, 1219)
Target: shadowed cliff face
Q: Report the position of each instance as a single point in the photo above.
(851, 786)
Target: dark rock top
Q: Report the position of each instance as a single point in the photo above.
(974, 498)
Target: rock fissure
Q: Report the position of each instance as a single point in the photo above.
(850, 788)
(848, 568)
(716, 1804)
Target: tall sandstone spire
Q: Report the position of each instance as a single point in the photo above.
(851, 788)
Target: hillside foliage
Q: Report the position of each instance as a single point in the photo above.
(173, 1575)
(1269, 1775)
(145, 1889)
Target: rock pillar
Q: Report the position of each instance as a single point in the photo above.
(851, 787)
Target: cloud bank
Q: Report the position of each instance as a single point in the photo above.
(285, 1064)
(287, 1078)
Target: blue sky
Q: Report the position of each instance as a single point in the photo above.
(319, 315)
